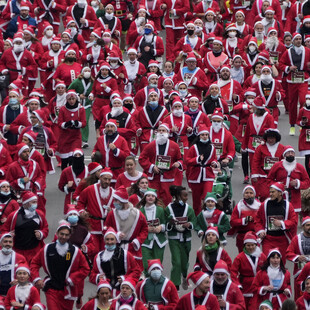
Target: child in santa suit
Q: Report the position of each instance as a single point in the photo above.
(246, 265)
(23, 294)
(211, 252)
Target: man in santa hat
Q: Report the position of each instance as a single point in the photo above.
(276, 221)
(294, 17)
(113, 263)
(66, 267)
(130, 224)
(29, 225)
(298, 252)
(292, 174)
(157, 290)
(294, 63)
(95, 202)
(200, 295)
(160, 160)
(228, 294)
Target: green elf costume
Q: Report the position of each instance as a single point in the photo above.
(154, 245)
(83, 86)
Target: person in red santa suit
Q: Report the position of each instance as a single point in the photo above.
(71, 119)
(304, 138)
(104, 84)
(298, 253)
(8, 203)
(136, 27)
(166, 297)
(258, 122)
(159, 160)
(19, 61)
(130, 224)
(276, 221)
(294, 17)
(245, 267)
(212, 27)
(294, 63)
(200, 160)
(228, 294)
(5, 159)
(32, 44)
(303, 301)
(84, 16)
(193, 76)
(232, 42)
(29, 225)
(241, 20)
(201, 8)
(112, 149)
(292, 174)
(45, 35)
(65, 266)
(174, 12)
(71, 176)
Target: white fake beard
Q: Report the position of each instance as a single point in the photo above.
(116, 111)
(162, 138)
(62, 249)
(123, 214)
(272, 43)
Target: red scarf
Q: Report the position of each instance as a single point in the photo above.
(26, 165)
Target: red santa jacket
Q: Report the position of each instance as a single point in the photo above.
(303, 275)
(115, 28)
(202, 7)
(6, 208)
(158, 45)
(44, 62)
(148, 158)
(279, 173)
(124, 179)
(169, 294)
(291, 25)
(179, 7)
(76, 273)
(213, 64)
(137, 305)
(303, 301)
(67, 73)
(303, 140)
(228, 88)
(93, 56)
(141, 96)
(242, 113)
(5, 161)
(36, 50)
(121, 82)
(232, 51)
(195, 44)
(20, 122)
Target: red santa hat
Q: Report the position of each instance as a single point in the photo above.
(56, 40)
(71, 209)
(288, 148)
(240, 12)
(259, 102)
(132, 51)
(153, 63)
(78, 151)
(176, 101)
(63, 224)
(104, 65)
(70, 51)
(94, 167)
(60, 83)
(269, 10)
(46, 25)
(267, 67)
(142, 8)
(225, 66)
(278, 186)
(113, 56)
(97, 32)
(305, 220)
(190, 23)
(33, 99)
(197, 277)
(168, 79)
(250, 237)
(221, 267)
(211, 36)
(22, 147)
(31, 135)
(4, 182)
(236, 56)
(214, 230)
(39, 305)
(121, 194)
(271, 29)
(165, 125)
(250, 92)
(264, 55)
(307, 37)
(23, 267)
(28, 196)
(306, 19)
(275, 250)
(152, 91)
(296, 35)
(211, 11)
(111, 122)
(249, 187)
(217, 114)
(154, 263)
(15, 91)
(24, 5)
(151, 24)
(119, 99)
(107, 32)
(253, 40)
(18, 37)
(40, 115)
(231, 26)
(67, 32)
(106, 171)
(130, 282)
(191, 57)
(151, 75)
(4, 235)
(70, 20)
(174, 92)
(71, 93)
(203, 129)
(37, 92)
(104, 284)
(9, 40)
(110, 231)
(30, 31)
(218, 40)
(186, 48)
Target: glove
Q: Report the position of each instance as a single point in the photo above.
(76, 123)
(68, 124)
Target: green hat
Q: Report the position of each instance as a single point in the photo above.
(266, 303)
(211, 196)
(151, 191)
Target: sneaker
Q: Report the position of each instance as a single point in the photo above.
(292, 131)
(246, 180)
(184, 284)
(79, 303)
(84, 145)
(236, 158)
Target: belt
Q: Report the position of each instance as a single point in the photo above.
(103, 97)
(305, 127)
(125, 241)
(119, 12)
(96, 218)
(116, 168)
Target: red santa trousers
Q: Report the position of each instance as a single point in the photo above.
(55, 300)
(199, 192)
(296, 92)
(271, 242)
(172, 37)
(29, 254)
(162, 189)
(261, 188)
(98, 243)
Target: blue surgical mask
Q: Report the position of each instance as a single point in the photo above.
(73, 219)
(181, 202)
(33, 207)
(117, 205)
(156, 274)
(204, 141)
(193, 110)
(215, 97)
(13, 101)
(110, 248)
(209, 209)
(153, 104)
(147, 30)
(5, 193)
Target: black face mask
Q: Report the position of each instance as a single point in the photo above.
(128, 106)
(290, 159)
(190, 32)
(70, 59)
(249, 201)
(78, 165)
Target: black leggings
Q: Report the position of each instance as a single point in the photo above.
(245, 163)
(65, 162)
(307, 159)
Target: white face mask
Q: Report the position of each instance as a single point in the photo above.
(250, 100)
(113, 64)
(177, 113)
(252, 48)
(49, 33)
(266, 78)
(307, 102)
(94, 4)
(81, 3)
(18, 48)
(232, 34)
(140, 20)
(87, 75)
(162, 138)
(109, 16)
(216, 126)
(73, 31)
(198, 29)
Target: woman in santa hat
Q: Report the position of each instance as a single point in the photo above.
(47, 35)
(232, 42)
(32, 44)
(137, 190)
(304, 300)
(22, 295)
(67, 43)
(153, 67)
(241, 25)
(211, 25)
(246, 266)
(272, 281)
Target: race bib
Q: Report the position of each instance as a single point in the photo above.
(218, 148)
(163, 162)
(307, 135)
(133, 143)
(257, 141)
(298, 77)
(274, 56)
(271, 218)
(269, 162)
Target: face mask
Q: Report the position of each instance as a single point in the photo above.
(141, 20)
(153, 85)
(33, 207)
(110, 248)
(113, 64)
(147, 31)
(190, 32)
(18, 48)
(73, 31)
(204, 141)
(116, 111)
(215, 97)
(106, 40)
(181, 202)
(5, 193)
(143, 190)
(117, 205)
(183, 92)
(307, 102)
(6, 251)
(81, 3)
(49, 33)
(250, 100)
(216, 126)
(232, 34)
(193, 110)
(109, 16)
(156, 274)
(73, 219)
(94, 4)
(13, 101)
(249, 201)
(177, 113)
(128, 106)
(153, 104)
(162, 138)
(290, 159)
(198, 29)
(252, 48)
(87, 74)
(266, 78)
